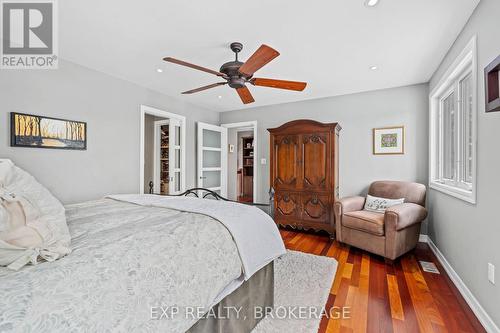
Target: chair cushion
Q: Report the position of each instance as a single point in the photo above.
(366, 221)
(411, 192)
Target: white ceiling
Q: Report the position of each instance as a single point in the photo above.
(331, 44)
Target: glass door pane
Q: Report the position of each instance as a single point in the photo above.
(211, 138)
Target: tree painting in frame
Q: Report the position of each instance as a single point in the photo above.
(45, 132)
(389, 140)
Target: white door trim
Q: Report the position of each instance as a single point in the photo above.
(156, 159)
(252, 124)
(144, 109)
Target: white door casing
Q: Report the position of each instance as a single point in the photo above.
(144, 109)
(250, 124)
(212, 158)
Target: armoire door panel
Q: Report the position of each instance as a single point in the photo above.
(316, 207)
(287, 205)
(315, 162)
(286, 154)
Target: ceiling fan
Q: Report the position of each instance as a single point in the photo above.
(237, 74)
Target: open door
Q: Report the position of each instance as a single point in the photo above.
(175, 168)
(212, 158)
(161, 152)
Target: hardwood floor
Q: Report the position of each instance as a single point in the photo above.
(387, 297)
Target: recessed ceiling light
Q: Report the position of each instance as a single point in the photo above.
(159, 70)
(220, 97)
(373, 68)
(371, 3)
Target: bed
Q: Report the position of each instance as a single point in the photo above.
(145, 263)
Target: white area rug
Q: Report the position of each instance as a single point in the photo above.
(302, 281)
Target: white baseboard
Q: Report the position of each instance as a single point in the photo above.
(483, 317)
(423, 238)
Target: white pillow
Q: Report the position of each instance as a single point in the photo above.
(379, 205)
(33, 222)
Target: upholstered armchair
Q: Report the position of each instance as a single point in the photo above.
(390, 234)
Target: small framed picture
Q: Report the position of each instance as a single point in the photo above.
(389, 140)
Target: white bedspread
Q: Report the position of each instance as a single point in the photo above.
(126, 260)
(254, 232)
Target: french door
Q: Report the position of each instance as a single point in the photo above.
(212, 158)
(175, 167)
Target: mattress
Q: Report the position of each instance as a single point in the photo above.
(128, 263)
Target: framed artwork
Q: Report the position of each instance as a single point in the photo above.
(492, 86)
(389, 140)
(33, 131)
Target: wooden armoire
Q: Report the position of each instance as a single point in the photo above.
(305, 174)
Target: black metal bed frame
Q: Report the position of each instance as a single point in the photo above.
(194, 191)
(206, 193)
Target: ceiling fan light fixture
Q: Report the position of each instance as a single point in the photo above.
(371, 3)
(238, 75)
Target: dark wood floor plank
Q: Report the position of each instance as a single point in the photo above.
(379, 308)
(387, 297)
(410, 322)
(426, 310)
(450, 304)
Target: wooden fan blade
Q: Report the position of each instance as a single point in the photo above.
(279, 84)
(245, 95)
(187, 64)
(261, 57)
(204, 88)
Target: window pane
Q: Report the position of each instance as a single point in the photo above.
(449, 137)
(466, 121)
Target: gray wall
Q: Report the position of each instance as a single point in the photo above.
(468, 235)
(358, 114)
(110, 107)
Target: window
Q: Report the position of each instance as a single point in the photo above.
(452, 129)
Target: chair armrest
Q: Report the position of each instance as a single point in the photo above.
(349, 204)
(404, 215)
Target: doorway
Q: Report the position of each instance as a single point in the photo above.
(242, 170)
(162, 156)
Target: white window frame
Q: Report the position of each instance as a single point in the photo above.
(465, 64)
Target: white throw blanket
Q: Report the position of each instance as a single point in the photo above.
(254, 232)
